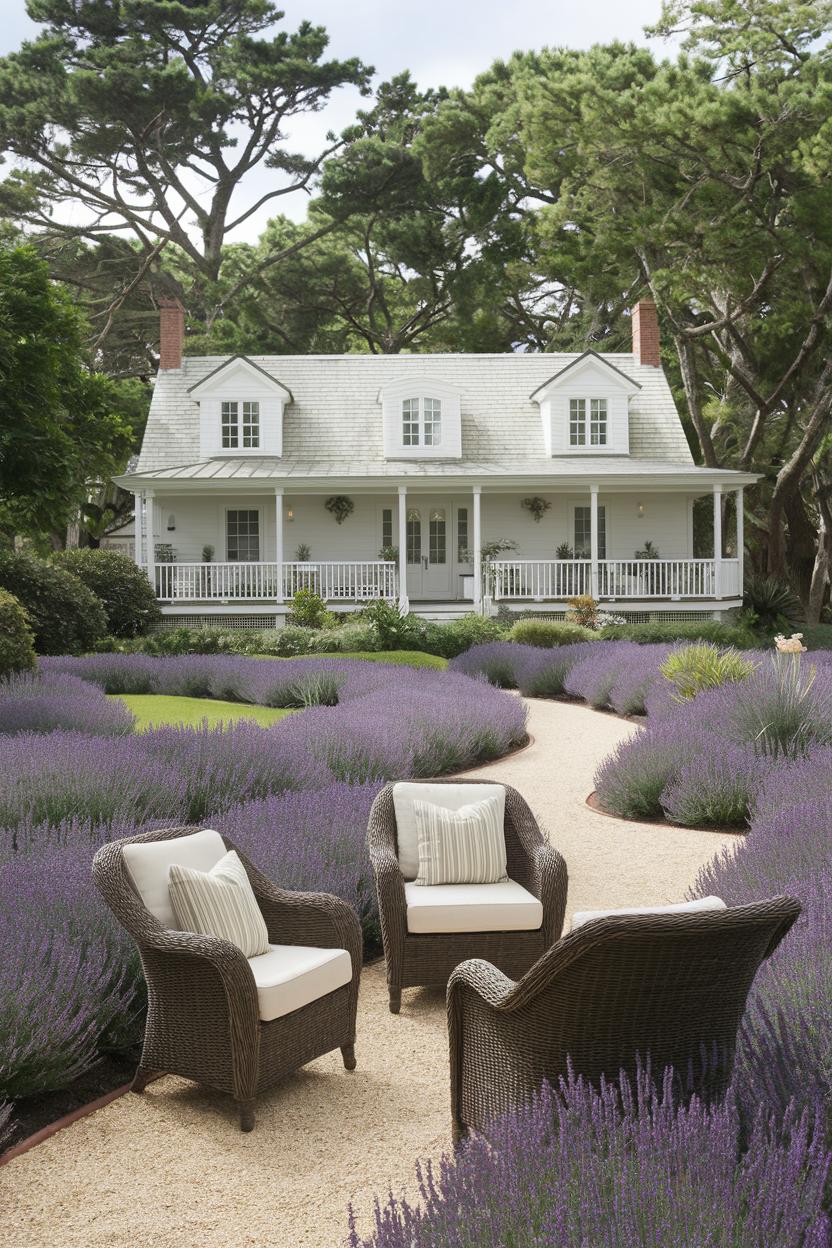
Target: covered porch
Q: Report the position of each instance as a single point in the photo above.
(478, 547)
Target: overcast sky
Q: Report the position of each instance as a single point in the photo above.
(441, 42)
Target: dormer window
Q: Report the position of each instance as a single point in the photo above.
(593, 433)
(235, 435)
(422, 418)
(421, 422)
(240, 410)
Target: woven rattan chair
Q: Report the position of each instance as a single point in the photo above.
(427, 959)
(665, 989)
(203, 1019)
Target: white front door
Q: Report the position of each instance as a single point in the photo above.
(429, 553)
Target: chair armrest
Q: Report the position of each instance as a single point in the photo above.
(318, 919)
(549, 882)
(163, 946)
(489, 983)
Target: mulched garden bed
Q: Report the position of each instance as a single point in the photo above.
(36, 1112)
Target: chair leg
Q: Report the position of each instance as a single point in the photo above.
(395, 1000)
(246, 1109)
(348, 1054)
(141, 1079)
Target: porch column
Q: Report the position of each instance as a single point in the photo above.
(593, 540)
(404, 602)
(740, 505)
(717, 541)
(278, 539)
(137, 527)
(477, 548)
(151, 544)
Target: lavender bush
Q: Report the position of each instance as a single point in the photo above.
(619, 1168)
(43, 701)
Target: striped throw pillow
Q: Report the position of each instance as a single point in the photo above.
(465, 846)
(219, 902)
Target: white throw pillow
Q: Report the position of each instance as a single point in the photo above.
(449, 796)
(221, 903)
(682, 907)
(465, 846)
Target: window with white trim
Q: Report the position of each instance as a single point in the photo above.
(231, 428)
(421, 422)
(588, 432)
(242, 535)
(583, 532)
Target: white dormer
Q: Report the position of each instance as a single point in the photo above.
(240, 411)
(585, 408)
(421, 419)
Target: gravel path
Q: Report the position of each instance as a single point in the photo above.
(171, 1169)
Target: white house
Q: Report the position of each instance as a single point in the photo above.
(369, 476)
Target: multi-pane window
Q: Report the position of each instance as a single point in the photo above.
(230, 421)
(421, 422)
(596, 434)
(242, 530)
(598, 422)
(462, 535)
(432, 421)
(386, 527)
(230, 426)
(414, 537)
(410, 422)
(437, 544)
(583, 538)
(251, 424)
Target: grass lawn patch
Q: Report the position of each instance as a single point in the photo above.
(154, 710)
(398, 658)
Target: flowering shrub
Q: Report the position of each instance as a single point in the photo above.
(43, 701)
(618, 1167)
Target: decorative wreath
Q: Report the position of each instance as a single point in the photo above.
(537, 506)
(340, 506)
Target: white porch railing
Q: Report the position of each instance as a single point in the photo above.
(540, 579)
(618, 579)
(272, 582)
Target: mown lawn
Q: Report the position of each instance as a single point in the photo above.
(153, 710)
(398, 658)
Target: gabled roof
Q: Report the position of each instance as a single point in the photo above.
(335, 416)
(579, 360)
(239, 359)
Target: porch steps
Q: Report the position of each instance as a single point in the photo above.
(440, 612)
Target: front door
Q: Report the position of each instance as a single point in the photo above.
(429, 549)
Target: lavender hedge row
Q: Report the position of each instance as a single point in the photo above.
(295, 796)
(619, 1168)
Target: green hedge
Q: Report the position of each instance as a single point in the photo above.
(124, 590)
(683, 630)
(17, 641)
(549, 633)
(66, 617)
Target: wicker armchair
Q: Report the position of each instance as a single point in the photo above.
(668, 988)
(204, 1018)
(426, 959)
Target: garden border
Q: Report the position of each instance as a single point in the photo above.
(594, 805)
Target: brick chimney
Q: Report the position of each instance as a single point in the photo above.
(646, 333)
(171, 333)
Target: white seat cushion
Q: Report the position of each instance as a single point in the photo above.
(149, 865)
(683, 907)
(503, 907)
(290, 976)
(449, 796)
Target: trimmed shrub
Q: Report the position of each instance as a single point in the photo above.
(457, 636)
(123, 588)
(65, 616)
(549, 633)
(17, 641)
(309, 609)
(702, 666)
(682, 630)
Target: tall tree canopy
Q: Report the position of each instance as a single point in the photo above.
(61, 426)
(149, 114)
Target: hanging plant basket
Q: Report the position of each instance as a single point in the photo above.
(537, 506)
(340, 506)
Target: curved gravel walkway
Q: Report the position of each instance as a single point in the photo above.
(170, 1168)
